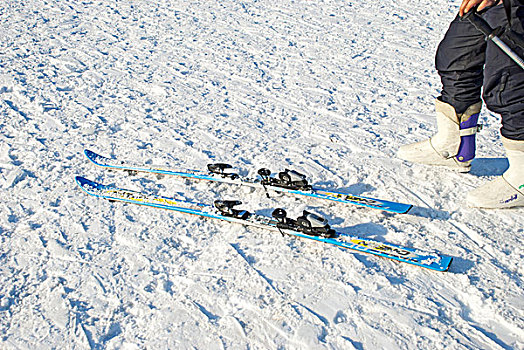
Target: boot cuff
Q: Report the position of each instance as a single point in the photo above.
(449, 111)
(473, 109)
(513, 145)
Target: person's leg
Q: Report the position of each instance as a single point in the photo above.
(459, 61)
(504, 79)
(504, 94)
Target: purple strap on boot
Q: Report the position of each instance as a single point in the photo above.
(467, 143)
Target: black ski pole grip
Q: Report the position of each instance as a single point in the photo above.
(479, 23)
(491, 34)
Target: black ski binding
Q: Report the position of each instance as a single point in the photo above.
(226, 208)
(287, 179)
(315, 225)
(220, 169)
(308, 223)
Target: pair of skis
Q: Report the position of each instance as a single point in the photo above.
(308, 226)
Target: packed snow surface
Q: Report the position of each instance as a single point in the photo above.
(328, 88)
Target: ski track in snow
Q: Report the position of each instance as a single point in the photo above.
(329, 88)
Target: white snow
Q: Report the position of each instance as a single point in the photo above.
(329, 88)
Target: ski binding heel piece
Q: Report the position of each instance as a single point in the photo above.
(309, 223)
(315, 225)
(226, 208)
(290, 179)
(220, 169)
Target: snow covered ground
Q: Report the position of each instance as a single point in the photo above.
(329, 88)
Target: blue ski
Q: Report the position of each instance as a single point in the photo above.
(309, 226)
(288, 181)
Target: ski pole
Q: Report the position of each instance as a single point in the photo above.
(491, 34)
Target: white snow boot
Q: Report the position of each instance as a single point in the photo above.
(506, 191)
(454, 144)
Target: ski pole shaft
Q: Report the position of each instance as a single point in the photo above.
(491, 34)
(518, 60)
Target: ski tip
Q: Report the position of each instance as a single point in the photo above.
(94, 157)
(86, 184)
(91, 155)
(79, 179)
(82, 181)
(91, 187)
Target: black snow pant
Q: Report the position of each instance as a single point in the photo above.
(469, 66)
